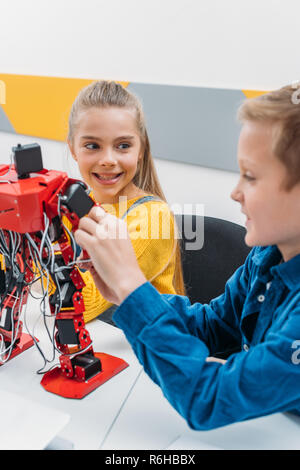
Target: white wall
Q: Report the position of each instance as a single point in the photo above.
(215, 43)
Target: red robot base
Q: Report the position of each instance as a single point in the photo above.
(55, 382)
(25, 342)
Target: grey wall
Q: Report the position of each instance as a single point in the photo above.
(191, 124)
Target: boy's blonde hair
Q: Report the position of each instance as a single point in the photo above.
(281, 108)
(101, 94)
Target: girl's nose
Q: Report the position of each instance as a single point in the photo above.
(107, 158)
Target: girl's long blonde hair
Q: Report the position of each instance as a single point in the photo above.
(109, 93)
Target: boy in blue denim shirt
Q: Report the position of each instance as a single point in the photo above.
(259, 311)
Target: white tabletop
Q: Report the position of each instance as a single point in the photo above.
(149, 422)
(127, 412)
(280, 431)
(90, 417)
(27, 425)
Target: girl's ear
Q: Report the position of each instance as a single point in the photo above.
(72, 150)
(141, 155)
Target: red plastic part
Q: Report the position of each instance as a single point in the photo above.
(21, 200)
(54, 382)
(25, 343)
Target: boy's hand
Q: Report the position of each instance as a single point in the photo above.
(114, 267)
(101, 286)
(215, 359)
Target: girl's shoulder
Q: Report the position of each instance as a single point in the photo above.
(148, 206)
(152, 219)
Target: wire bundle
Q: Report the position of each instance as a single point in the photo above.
(13, 247)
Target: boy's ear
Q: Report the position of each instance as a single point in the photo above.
(72, 150)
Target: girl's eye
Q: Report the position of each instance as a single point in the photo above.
(123, 146)
(91, 146)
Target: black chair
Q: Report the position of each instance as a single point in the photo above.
(217, 250)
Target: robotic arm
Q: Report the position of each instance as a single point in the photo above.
(33, 201)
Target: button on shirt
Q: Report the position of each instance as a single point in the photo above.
(259, 314)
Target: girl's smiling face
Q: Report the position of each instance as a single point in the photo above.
(272, 212)
(107, 148)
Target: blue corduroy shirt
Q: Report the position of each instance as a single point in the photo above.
(259, 313)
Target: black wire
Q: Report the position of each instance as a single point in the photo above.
(10, 247)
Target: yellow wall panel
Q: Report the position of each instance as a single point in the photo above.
(40, 106)
(253, 93)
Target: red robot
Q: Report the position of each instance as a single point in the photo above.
(33, 201)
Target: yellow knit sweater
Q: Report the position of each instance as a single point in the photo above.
(151, 229)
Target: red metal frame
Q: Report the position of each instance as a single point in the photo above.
(22, 205)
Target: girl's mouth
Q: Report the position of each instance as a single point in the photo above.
(107, 179)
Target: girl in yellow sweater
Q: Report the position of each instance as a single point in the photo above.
(108, 140)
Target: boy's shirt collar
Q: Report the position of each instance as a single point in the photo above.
(268, 261)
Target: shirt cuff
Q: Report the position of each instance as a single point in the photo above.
(140, 308)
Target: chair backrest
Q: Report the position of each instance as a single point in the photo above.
(207, 269)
